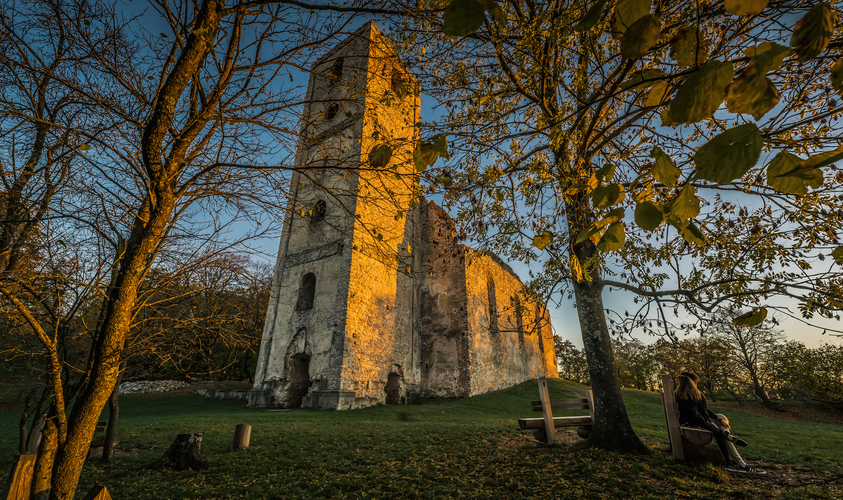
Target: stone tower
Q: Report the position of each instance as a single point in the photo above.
(325, 341)
(374, 300)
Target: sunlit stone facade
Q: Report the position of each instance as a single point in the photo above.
(374, 300)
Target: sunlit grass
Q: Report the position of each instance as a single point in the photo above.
(461, 448)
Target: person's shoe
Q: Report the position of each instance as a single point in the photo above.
(744, 470)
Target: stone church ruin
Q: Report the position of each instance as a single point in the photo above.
(374, 300)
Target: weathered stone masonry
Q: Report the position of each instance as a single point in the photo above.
(374, 300)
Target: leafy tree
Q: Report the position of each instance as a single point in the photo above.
(570, 361)
(566, 114)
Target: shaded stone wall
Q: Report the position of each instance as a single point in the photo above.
(505, 323)
(443, 315)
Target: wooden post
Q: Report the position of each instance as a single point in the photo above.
(549, 426)
(590, 396)
(242, 434)
(671, 418)
(98, 492)
(20, 479)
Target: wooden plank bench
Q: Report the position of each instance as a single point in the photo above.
(98, 442)
(687, 443)
(542, 428)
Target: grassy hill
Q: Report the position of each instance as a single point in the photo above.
(460, 448)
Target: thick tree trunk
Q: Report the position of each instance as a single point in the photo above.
(42, 474)
(612, 429)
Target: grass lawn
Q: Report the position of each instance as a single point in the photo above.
(457, 448)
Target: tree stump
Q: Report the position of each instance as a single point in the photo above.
(185, 452)
(242, 435)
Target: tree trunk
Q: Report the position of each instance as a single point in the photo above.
(42, 474)
(612, 429)
(185, 452)
(113, 413)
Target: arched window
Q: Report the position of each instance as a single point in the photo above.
(306, 293)
(336, 72)
(493, 306)
(398, 83)
(332, 111)
(317, 215)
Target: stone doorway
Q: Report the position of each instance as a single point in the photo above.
(299, 377)
(393, 389)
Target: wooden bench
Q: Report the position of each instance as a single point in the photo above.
(98, 442)
(542, 427)
(687, 443)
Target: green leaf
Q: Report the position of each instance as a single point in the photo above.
(837, 76)
(380, 156)
(745, 7)
(607, 172)
(729, 154)
(751, 318)
(626, 13)
(837, 255)
(786, 174)
(648, 216)
(657, 94)
(664, 171)
(613, 216)
(767, 56)
(427, 152)
(606, 196)
(463, 17)
(823, 159)
(542, 240)
(692, 234)
(613, 239)
(642, 79)
(751, 93)
(84, 147)
(591, 16)
(812, 33)
(497, 13)
(440, 145)
(686, 205)
(587, 233)
(688, 47)
(701, 94)
(641, 36)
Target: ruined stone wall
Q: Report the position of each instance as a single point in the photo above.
(299, 343)
(443, 312)
(374, 300)
(381, 301)
(505, 345)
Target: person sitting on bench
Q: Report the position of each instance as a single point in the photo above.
(693, 411)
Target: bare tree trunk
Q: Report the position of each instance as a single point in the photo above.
(43, 473)
(113, 413)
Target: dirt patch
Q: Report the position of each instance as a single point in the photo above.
(781, 478)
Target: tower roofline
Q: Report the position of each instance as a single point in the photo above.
(369, 31)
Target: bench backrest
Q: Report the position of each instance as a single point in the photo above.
(547, 406)
(671, 418)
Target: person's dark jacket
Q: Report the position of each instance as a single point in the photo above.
(695, 413)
